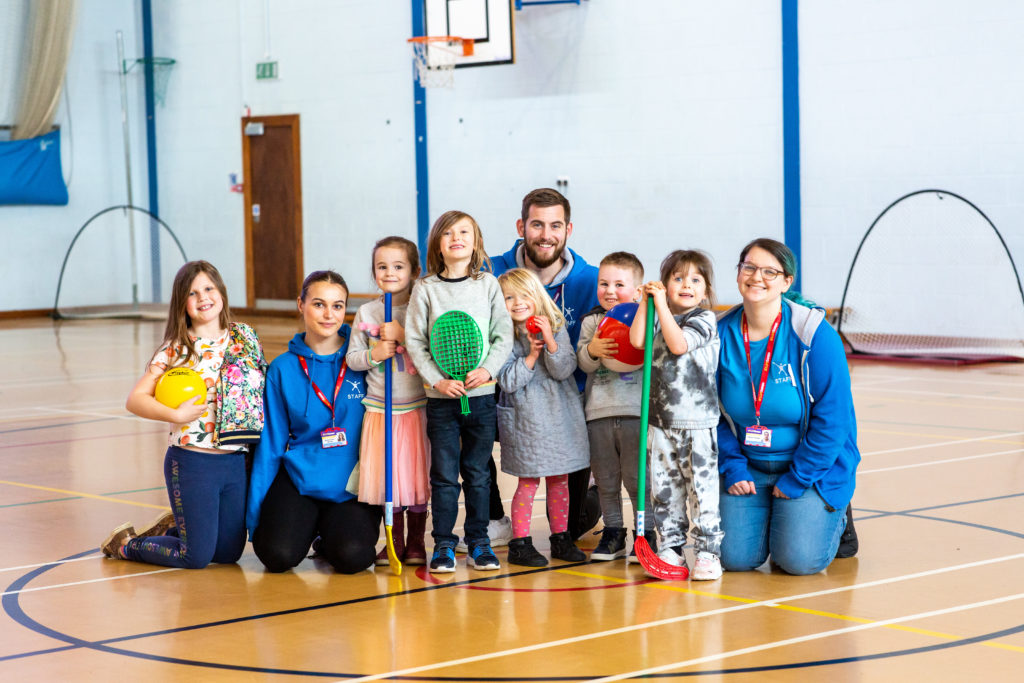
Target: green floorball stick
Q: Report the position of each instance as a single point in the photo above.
(457, 347)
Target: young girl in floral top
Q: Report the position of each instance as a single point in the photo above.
(206, 481)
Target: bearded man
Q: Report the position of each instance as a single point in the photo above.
(544, 228)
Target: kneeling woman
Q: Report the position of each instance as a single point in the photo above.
(310, 444)
(787, 441)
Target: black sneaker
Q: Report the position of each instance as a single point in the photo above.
(848, 543)
(611, 546)
(482, 558)
(522, 552)
(443, 561)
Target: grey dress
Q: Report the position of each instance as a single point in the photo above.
(541, 425)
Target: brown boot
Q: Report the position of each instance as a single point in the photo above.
(397, 534)
(415, 552)
(159, 526)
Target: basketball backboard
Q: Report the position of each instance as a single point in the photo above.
(489, 23)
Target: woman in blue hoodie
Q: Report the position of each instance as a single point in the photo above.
(788, 434)
(310, 444)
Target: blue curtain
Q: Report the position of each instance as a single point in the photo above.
(30, 171)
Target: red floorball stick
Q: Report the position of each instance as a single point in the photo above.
(654, 565)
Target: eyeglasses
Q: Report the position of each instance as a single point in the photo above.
(749, 269)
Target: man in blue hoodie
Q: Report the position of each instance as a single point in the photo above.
(544, 228)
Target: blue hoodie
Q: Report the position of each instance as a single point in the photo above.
(827, 455)
(295, 418)
(574, 290)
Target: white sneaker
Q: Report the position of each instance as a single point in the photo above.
(499, 531)
(707, 567)
(668, 556)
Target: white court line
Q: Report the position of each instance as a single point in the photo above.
(674, 620)
(46, 564)
(875, 382)
(1001, 435)
(50, 381)
(82, 583)
(946, 394)
(1012, 383)
(33, 412)
(939, 462)
(85, 412)
(803, 639)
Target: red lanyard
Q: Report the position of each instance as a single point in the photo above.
(759, 394)
(320, 394)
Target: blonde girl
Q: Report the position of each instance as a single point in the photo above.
(459, 443)
(540, 418)
(396, 265)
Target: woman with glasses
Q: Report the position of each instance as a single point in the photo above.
(788, 435)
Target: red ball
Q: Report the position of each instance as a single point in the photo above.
(615, 326)
(532, 326)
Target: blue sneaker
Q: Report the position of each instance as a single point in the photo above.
(443, 561)
(481, 557)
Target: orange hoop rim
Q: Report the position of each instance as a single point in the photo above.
(467, 43)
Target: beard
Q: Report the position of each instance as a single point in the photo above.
(543, 261)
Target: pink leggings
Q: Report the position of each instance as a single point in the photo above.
(558, 504)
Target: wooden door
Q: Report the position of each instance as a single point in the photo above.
(273, 210)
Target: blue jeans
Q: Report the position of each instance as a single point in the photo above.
(460, 444)
(801, 534)
(207, 493)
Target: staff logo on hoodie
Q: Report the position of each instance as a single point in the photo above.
(357, 390)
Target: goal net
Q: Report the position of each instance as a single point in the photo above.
(933, 278)
(120, 264)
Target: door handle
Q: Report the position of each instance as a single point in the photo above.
(255, 213)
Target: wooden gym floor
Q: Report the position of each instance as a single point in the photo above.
(935, 593)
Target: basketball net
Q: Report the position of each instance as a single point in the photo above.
(435, 58)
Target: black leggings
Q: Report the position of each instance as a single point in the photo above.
(289, 521)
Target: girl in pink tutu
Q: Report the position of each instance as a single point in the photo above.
(396, 265)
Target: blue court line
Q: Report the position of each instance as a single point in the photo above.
(56, 426)
(12, 607)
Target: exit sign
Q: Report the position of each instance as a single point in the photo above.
(266, 70)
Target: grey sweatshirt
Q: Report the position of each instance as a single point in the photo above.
(683, 390)
(482, 300)
(609, 393)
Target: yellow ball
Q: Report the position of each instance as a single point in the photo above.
(178, 385)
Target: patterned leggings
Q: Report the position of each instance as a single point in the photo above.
(558, 504)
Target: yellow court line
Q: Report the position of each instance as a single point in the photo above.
(79, 494)
(790, 608)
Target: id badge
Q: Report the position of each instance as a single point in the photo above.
(758, 436)
(332, 437)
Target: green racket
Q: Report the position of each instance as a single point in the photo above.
(457, 347)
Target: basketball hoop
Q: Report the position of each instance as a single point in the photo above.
(435, 58)
(161, 74)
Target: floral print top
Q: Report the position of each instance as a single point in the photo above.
(199, 432)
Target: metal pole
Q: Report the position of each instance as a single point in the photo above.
(123, 78)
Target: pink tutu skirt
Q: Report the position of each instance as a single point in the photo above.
(410, 451)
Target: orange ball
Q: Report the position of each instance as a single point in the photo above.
(177, 385)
